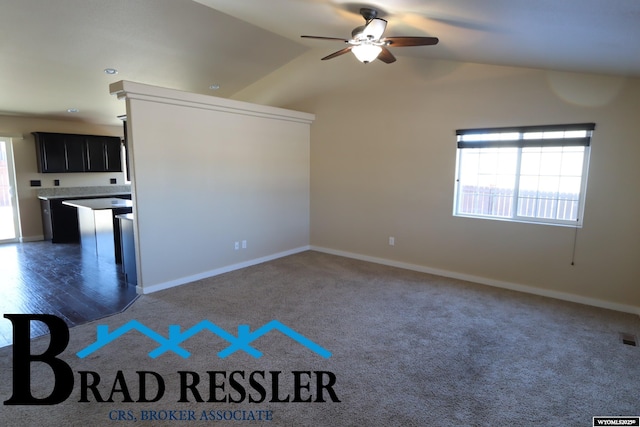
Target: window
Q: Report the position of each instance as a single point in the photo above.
(529, 174)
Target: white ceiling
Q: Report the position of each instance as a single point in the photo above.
(53, 52)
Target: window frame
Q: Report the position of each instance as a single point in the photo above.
(491, 138)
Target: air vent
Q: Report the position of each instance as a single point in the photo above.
(629, 339)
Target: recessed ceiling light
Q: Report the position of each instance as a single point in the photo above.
(73, 110)
(214, 87)
(110, 71)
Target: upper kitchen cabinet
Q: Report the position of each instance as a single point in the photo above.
(61, 153)
(104, 154)
(51, 151)
(75, 153)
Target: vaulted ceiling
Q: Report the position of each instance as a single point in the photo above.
(53, 53)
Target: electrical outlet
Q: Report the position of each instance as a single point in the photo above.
(244, 244)
(237, 246)
(392, 241)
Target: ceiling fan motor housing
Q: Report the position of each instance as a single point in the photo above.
(368, 14)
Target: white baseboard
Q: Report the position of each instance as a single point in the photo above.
(407, 266)
(484, 281)
(217, 271)
(26, 239)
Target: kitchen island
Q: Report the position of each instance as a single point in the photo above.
(99, 229)
(59, 221)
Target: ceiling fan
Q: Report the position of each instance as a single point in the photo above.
(367, 43)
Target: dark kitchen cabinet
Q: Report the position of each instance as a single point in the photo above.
(127, 167)
(47, 224)
(113, 154)
(128, 248)
(76, 153)
(62, 153)
(59, 222)
(104, 154)
(51, 150)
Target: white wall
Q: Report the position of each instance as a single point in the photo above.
(383, 164)
(207, 172)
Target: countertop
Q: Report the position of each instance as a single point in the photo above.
(99, 204)
(128, 216)
(84, 196)
(83, 192)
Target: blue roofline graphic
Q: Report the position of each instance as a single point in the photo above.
(176, 337)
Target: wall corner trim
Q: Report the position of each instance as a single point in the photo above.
(484, 281)
(130, 90)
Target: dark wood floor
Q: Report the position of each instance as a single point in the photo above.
(59, 279)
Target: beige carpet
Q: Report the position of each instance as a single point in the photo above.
(408, 349)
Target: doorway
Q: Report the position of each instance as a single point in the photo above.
(9, 217)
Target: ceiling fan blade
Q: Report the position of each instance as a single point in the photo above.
(386, 56)
(338, 53)
(410, 41)
(325, 38)
(375, 28)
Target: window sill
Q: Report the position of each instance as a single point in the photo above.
(522, 221)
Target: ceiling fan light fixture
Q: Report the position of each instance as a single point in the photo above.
(366, 52)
